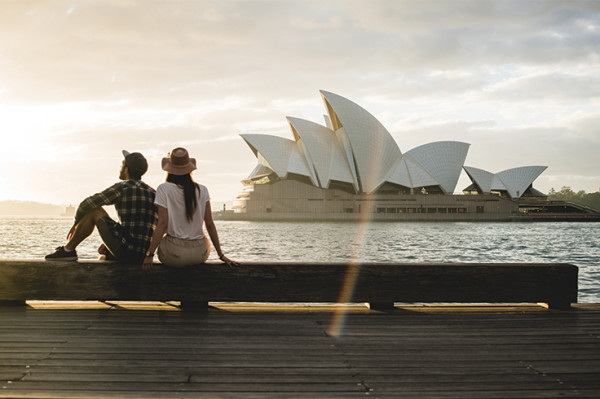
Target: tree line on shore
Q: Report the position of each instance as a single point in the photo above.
(591, 200)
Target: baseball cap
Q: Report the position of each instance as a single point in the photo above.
(135, 162)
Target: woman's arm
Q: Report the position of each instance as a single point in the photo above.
(214, 236)
(159, 232)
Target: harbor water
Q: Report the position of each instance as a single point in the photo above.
(552, 242)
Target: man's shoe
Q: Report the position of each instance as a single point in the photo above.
(62, 254)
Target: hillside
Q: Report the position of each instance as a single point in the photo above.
(30, 208)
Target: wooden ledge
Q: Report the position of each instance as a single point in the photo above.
(379, 284)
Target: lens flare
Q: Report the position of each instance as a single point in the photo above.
(336, 326)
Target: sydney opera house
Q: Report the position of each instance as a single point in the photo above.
(351, 168)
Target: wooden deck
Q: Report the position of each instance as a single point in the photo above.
(96, 350)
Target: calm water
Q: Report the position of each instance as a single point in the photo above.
(576, 243)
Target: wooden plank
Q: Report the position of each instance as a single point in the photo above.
(154, 353)
(91, 386)
(555, 284)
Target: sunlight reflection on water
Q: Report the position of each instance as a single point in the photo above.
(577, 243)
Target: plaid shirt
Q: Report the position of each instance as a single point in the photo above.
(134, 201)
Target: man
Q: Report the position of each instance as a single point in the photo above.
(128, 240)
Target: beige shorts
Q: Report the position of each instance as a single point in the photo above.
(177, 252)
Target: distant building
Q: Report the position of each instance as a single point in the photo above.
(352, 166)
(69, 211)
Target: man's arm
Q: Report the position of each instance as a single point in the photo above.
(106, 197)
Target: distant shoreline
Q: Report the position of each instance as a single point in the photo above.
(30, 215)
(30, 208)
(34, 208)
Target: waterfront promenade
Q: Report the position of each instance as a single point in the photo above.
(101, 350)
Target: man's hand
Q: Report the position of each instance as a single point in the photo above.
(71, 232)
(148, 265)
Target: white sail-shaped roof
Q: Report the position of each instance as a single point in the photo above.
(279, 154)
(443, 160)
(339, 167)
(318, 141)
(299, 165)
(259, 171)
(301, 147)
(374, 149)
(348, 157)
(355, 148)
(497, 184)
(418, 175)
(276, 151)
(518, 180)
(482, 178)
(410, 173)
(400, 174)
(514, 181)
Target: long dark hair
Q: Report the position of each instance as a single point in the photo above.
(189, 192)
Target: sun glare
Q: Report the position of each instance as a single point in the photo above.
(34, 128)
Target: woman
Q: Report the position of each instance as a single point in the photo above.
(183, 205)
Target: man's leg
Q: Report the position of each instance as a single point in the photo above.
(77, 234)
(84, 228)
(114, 239)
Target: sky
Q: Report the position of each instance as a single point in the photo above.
(82, 80)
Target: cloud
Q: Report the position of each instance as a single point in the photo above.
(555, 87)
(82, 80)
(178, 52)
(585, 125)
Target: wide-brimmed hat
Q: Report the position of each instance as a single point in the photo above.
(179, 162)
(135, 162)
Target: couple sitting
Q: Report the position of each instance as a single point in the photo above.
(179, 207)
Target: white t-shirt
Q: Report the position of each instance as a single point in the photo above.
(170, 196)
